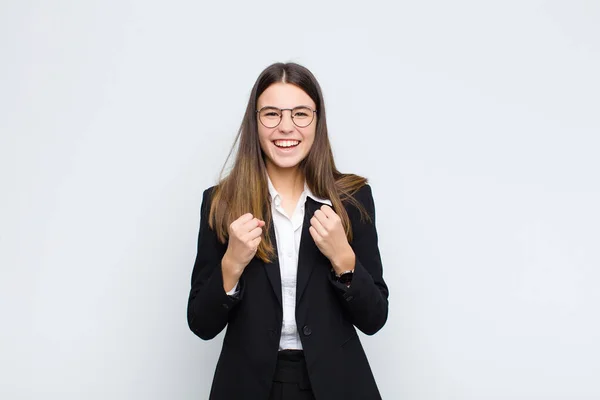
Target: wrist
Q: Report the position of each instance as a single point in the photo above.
(344, 262)
(343, 278)
(230, 265)
(231, 271)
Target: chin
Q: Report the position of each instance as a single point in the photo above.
(286, 164)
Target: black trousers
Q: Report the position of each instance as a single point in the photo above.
(291, 377)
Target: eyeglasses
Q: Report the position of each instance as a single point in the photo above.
(270, 117)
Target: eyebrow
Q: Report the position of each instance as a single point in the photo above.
(301, 105)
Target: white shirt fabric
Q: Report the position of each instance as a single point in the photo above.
(288, 231)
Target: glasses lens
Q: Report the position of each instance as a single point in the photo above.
(270, 117)
(302, 116)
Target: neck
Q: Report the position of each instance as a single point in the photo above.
(287, 181)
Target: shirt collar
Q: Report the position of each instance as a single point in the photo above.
(306, 193)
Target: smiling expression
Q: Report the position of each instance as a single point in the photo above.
(286, 145)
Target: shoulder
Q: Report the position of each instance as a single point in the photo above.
(212, 191)
(207, 198)
(359, 205)
(352, 187)
(208, 192)
(362, 194)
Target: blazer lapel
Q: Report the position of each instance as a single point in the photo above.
(272, 269)
(308, 249)
(308, 253)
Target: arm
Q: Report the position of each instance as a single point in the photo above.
(209, 305)
(366, 300)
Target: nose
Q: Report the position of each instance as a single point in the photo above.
(286, 124)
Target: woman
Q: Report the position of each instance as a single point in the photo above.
(288, 256)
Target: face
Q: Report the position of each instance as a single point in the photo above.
(286, 144)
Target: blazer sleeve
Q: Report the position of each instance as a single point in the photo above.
(366, 300)
(208, 304)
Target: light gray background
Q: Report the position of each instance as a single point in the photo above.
(476, 122)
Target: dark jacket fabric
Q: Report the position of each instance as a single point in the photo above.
(327, 312)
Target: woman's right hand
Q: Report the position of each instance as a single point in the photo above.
(245, 234)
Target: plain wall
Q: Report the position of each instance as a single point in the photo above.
(477, 124)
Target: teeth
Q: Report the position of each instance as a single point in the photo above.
(286, 143)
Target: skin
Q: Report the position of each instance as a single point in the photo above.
(326, 229)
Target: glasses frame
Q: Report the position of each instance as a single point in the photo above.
(281, 110)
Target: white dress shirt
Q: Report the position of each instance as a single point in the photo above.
(288, 231)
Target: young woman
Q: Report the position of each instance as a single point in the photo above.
(288, 256)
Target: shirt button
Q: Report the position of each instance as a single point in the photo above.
(289, 254)
(306, 330)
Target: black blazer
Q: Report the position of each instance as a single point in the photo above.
(326, 312)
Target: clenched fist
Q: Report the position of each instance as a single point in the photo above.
(328, 233)
(245, 234)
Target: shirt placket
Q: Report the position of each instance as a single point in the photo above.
(286, 260)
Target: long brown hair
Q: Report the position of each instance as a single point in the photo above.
(245, 189)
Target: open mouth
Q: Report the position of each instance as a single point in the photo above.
(286, 144)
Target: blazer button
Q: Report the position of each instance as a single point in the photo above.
(226, 306)
(306, 330)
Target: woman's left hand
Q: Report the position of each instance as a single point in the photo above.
(328, 233)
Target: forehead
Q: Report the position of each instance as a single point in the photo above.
(284, 95)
